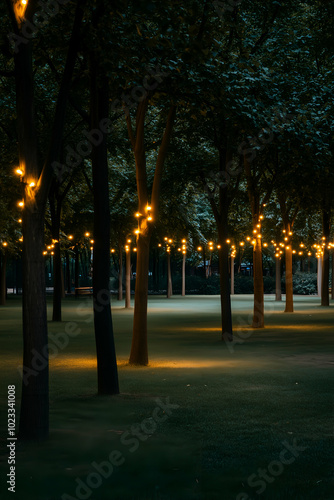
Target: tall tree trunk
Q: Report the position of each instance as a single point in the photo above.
(3, 287)
(76, 268)
(319, 276)
(34, 421)
(120, 273)
(128, 279)
(224, 281)
(326, 225)
(104, 338)
(57, 280)
(288, 279)
(278, 292)
(258, 315)
(34, 412)
(169, 277)
(139, 350)
(68, 273)
(232, 275)
(183, 275)
(332, 274)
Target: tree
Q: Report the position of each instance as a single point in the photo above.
(34, 421)
(147, 212)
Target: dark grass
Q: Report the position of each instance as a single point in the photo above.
(235, 408)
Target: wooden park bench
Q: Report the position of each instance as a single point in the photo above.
(84, 290)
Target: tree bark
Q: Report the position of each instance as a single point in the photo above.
(107, 374)
(183, 275)
(256, 208)
(326, 225)
(57, 281)
(232, 275)
(332, 274)
(68, 273)
(278, 293)
(288, 279)
(120, 273)
(3, 287)
(128, 279)
(224, 281)
(34, 413)
(76, 266)
(319, 276)
(139, 348)
(258, 315)
(169, 277)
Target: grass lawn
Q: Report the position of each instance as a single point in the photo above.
(238, 409)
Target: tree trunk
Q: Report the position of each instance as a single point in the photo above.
(128, 279)
(232, 275)
(3, 287)
(34, 413)
(139, 351)
(332, 274)
(57, 280)
(258, 314)
(105, 348)
(169, 277)
(278, 293)
(288, 280)
(224, 281)
(76, 268)
(68, 273)
(326, 223)
(120, 273)
(183, 275)
(319, 276)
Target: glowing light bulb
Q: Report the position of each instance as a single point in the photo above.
(87, 235)
(21, 203)
(199, 249)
